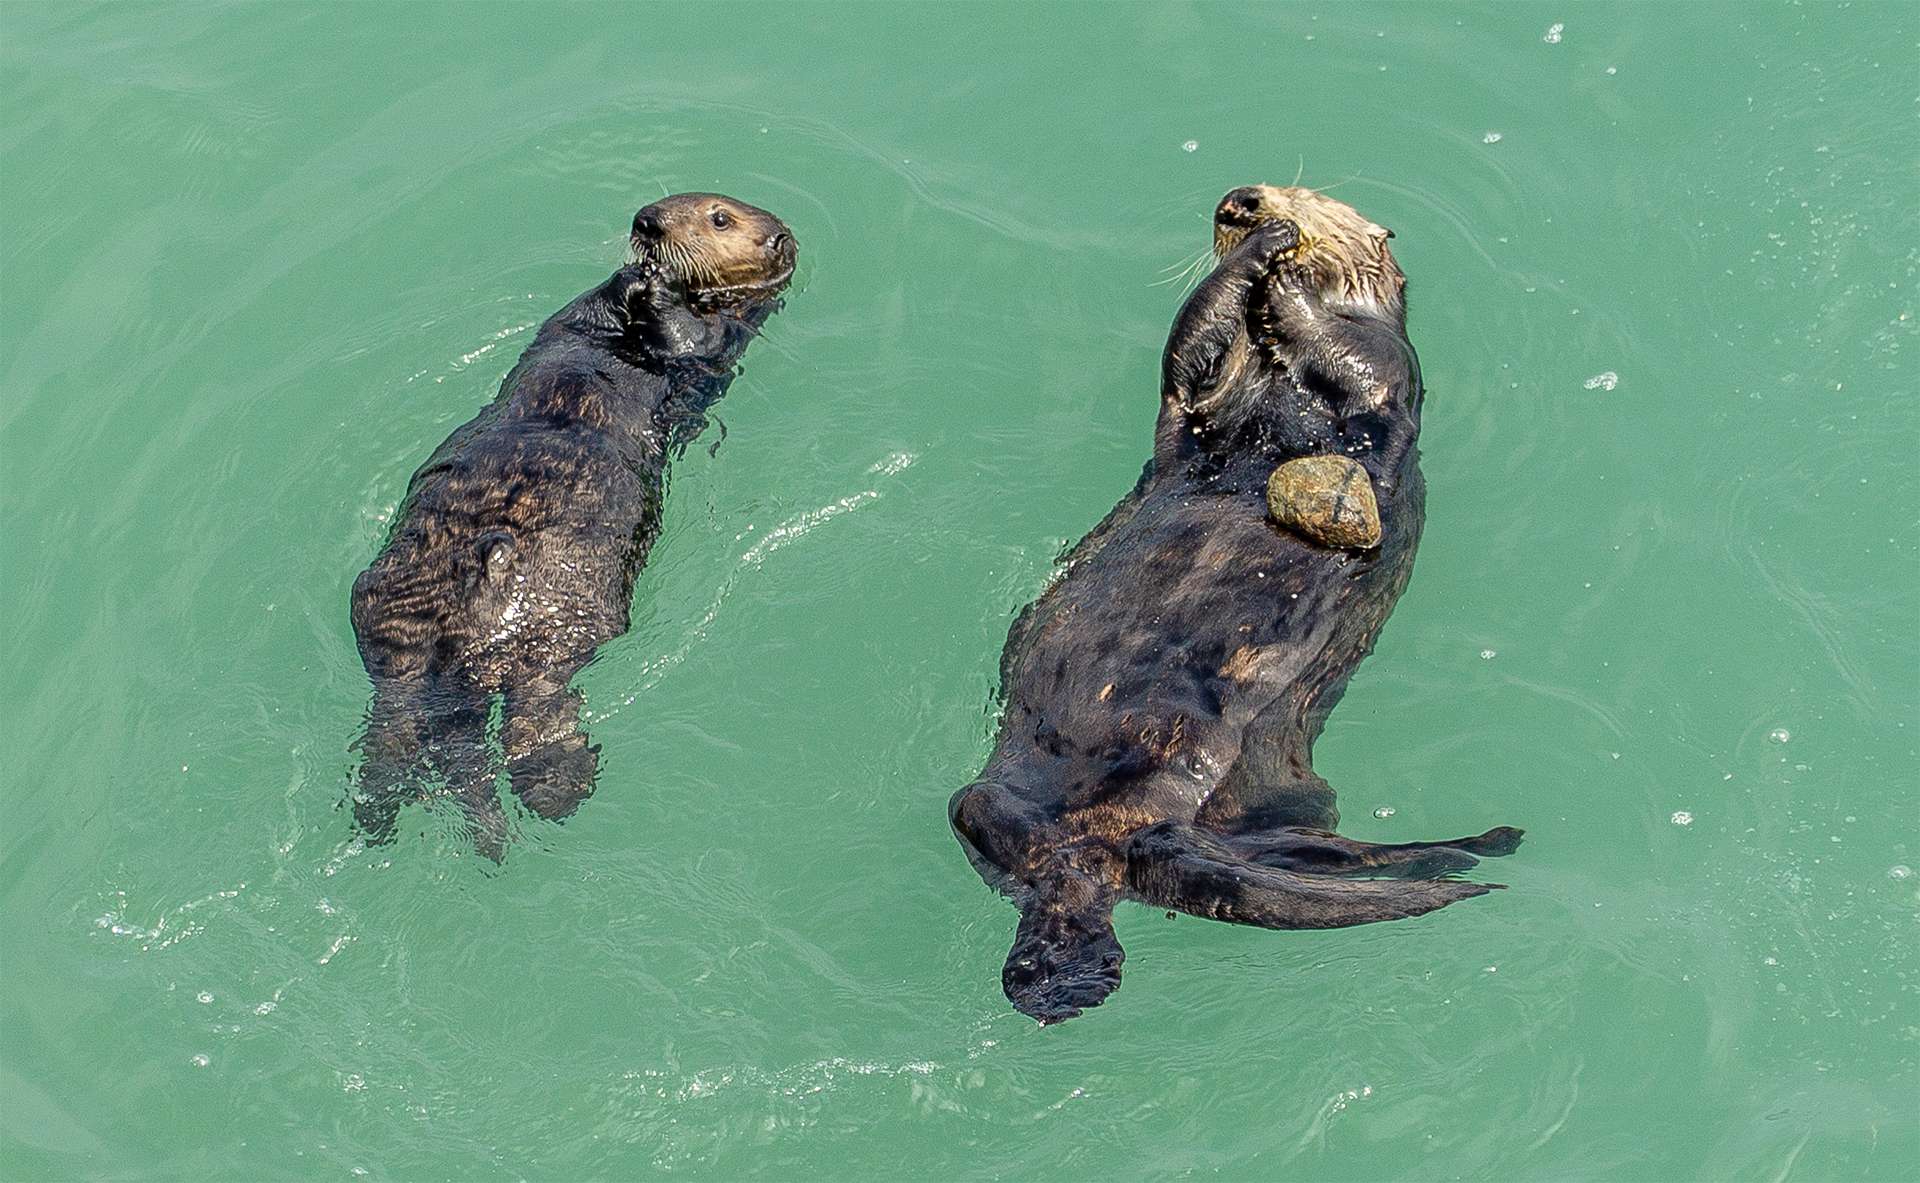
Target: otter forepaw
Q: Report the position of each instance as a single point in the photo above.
(1273, 242)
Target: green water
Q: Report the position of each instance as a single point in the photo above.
(258, 260)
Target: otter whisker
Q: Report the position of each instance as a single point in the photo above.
(1173, 273)
(1202, 264)
(1188, 273)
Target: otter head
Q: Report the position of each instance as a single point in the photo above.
(1345, 253)
(721, 250)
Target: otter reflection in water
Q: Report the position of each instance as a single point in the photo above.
(515, 551)
(1162, 698)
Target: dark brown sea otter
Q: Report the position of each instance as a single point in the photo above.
(1162, 698)
(514, 554)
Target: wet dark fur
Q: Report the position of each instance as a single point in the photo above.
(1163, 697)
(514, 553)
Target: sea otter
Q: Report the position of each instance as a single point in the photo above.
(1163, 696)
(514, 553)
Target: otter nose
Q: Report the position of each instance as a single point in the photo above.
(646, 225)
(1239, 208)
(781, 246)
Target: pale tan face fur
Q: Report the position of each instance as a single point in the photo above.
(1345, 252)
(715, 244)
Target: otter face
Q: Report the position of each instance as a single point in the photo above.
(1345, 252)
(721, 249)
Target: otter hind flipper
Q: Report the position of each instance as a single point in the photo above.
(1174, 865)
(1063, 960)
(551, 766)
(393, 758)
(414, 736)
(1320, 852)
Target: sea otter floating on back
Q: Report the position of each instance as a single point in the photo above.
(514, 554)
(1162, 698)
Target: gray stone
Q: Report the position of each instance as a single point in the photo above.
(1326, 500)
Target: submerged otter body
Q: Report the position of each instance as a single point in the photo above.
(514, 553)
(1162, 698)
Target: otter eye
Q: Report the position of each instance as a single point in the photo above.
(720, 219)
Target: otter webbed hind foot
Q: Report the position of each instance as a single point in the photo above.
(394, 760)
(554, 779)
(414, 737)
(486, 823)
(1061, 963)
(1065, 956)
(551, 766)
(1321, 852)
(1174, 865)
(466, 764)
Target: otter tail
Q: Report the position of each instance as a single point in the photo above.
(414, 737)
(1301, 878)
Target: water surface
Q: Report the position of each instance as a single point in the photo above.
(258, 260)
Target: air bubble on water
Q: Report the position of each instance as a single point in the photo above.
(1605, 380)
(1492, 137)
(353, 1082)
(205, 996)
(1190, 146)
(1779, 735)
(266, 1008)
(1552, 35)
(1385, 812)
(1489, 654)
(1899, 871)
(1612, 70)
(894, 463)
(201, 1060)
(1681, 818)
